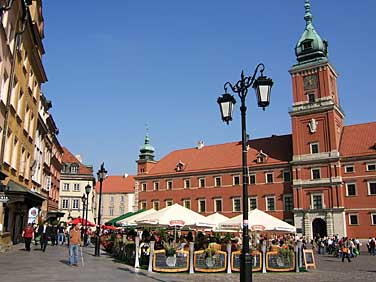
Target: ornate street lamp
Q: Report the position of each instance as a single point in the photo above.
(102, 173)
(262, 86)
(87, 190)
(83, 200)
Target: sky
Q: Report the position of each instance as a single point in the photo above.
(116, 68)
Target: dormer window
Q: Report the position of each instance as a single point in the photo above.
(261, 157)
(307, 45)
(74, 168)
(180, 166)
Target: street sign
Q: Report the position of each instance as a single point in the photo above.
(3, 198)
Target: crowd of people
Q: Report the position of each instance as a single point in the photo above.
(73, 235)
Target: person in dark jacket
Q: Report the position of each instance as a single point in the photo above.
(44, 232)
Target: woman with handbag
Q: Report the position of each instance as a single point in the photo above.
(346, 250)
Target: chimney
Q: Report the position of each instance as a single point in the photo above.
(200, 144)
(79, 158)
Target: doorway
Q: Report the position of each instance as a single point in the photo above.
(319, 228)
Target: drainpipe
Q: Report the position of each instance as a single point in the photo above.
(16, 47)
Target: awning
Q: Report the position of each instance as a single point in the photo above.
(116, 219)
(19, 193)
(53, 213)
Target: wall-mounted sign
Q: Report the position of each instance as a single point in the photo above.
(33, 214)
(3, 198)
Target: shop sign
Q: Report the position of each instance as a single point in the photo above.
(33, 214)
(3, 198)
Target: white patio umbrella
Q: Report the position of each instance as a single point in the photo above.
(217, 218)
(130, 221)
(258, 221)
(175, 215)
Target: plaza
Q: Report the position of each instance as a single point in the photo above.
(18, 266)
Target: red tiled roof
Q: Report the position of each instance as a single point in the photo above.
(68, 157)
(358, 139)
(228, 155)
(116, 184)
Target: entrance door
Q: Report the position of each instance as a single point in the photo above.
(319, 228)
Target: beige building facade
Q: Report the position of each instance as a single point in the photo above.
(75, 176)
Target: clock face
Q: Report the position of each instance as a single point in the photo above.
(310, 82)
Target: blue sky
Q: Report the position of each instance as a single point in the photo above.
(114, 66)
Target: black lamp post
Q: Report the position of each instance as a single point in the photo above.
(262, 86)
(83, 199)
(87, 190)
(101, 176)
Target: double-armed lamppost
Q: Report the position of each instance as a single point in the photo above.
(83, 200)
(101, 176)
(87, 190)
(263, 86)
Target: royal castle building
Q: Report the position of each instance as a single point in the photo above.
(321, 177)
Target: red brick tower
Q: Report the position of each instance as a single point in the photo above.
(317, 123)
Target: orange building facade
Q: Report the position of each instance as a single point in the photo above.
(321, 178)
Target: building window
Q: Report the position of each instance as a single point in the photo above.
(269, 177)
(111, 210)
(112, 199)
(143, 205)
(252, 203)
(317, 202)
(202, 205)
(236, 180)
(201, 182)
(371, 188)
(75, 204)
(373, 218)
(156, 186)
(311, 97)
(121, 210)
(315, 173)
(169, 203)
(353, 219)
(270, 203)
(121, 198)
(66, 187)
(349, 169)
(65, 204)
(236, 205)
(252, 179)
(286, 176)
(169, 185)
(156, 205)
(74, 169)
(187, 204)
(217, 205)
(314, 148)
(143, 187)
(187, 183)
(350, 189)
(76, 187)
(371, 167)
(288, 204)
(217, 181)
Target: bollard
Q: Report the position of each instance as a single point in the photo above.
(263, 249)
(228, 248)
(151, 255)
(191, 253)
(137, 259)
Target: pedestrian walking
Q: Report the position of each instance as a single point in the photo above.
(28, 235)
(74, 244)
(44, 232)
(60, 234)
(346, 250)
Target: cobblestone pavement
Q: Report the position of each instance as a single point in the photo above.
(19, 266)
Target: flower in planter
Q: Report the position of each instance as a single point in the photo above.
(170, 249)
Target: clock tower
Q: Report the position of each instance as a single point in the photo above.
(317, 123)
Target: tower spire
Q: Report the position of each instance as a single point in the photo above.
(308, 15)
(147, 150)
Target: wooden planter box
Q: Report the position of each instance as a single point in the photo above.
(177, 263)
(215, 263)
(256, 261)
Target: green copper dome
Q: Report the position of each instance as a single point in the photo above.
(147, 150)
(310, 45)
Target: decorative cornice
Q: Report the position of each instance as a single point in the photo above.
(317, 182)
